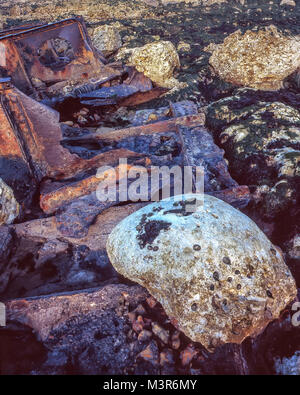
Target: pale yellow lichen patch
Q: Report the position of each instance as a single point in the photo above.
(157, 61)
(261, 60)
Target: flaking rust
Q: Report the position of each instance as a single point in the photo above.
(43, 60)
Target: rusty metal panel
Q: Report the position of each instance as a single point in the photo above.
(59, 54)
(30, 131)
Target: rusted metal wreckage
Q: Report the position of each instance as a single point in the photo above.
(57, 61)
(42, 60)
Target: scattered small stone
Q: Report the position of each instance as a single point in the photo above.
(9, 207)
(151, 302)
(150, 353)
(140, 310)
(138, 325)
(166, 357)
(144, 335)
(187, 355)
(131, 316)
(176, 340)
(157, 61)
(160, 332)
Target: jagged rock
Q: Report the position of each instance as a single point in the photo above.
(260, 60)
(9, 207)
(157, 61)
(107, 39)
(222, 282)
(261, 141)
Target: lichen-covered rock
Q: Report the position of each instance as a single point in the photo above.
(215, 273)
(107, 39)
(9, 207)
(257, 59)
(157, 61)
(261, 140)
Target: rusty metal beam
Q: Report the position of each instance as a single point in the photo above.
(65, 194)
(152, 128)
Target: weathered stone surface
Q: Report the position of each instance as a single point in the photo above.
(261, 140)
(260, 60)
(47, 314)
(9, 207)
(157, 61)
(106, 39)
(222, 282)
(41, 260)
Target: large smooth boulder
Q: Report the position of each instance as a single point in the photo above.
(214, 271)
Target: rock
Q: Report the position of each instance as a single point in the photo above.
(183, 47)
(150, 353)
(223, 282)
(187, 355)
(157, 61)
(288, 2)
(260, 60)
(6, 244)
(160, 332)
(107, 39)
(294, 247)
(9, 207)
(261, 139)
(15, 11)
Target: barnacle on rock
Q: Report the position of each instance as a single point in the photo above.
(229, 289)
